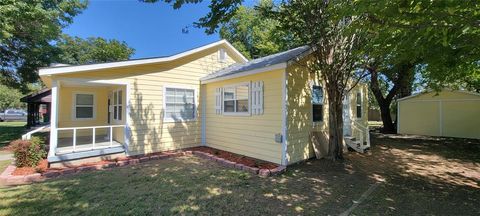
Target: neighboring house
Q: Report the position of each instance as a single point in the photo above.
(447, 113)
(210, 96)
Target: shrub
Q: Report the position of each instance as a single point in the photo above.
(28, 153)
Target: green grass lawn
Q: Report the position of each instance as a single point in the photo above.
(417, 178)
(4, 164)
(10, 131)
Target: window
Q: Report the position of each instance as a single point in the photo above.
(235, 99)
(359, 104)
(317, 103)
(84, 106)
(117, 105)
(222, 56)
(179, 104)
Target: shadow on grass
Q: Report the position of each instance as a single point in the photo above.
(423, 175)
(189, 185)
(414, 182)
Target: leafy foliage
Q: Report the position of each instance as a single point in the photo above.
(75, 50)
(254, 34)
(27, 29)
(221, 11)
(334, 53)
(9, 98)
(28, 153)
(434, 42)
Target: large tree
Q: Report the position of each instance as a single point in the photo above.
(75, 50)
(317, 24)
(254, 34)
(435, 40)
(27, 29)
(334, 55)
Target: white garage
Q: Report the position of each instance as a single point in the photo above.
(447, 113)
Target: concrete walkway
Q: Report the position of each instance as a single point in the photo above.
(8, 156)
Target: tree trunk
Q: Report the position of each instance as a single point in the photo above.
(388, 125)
(335, 129)
(383, 102)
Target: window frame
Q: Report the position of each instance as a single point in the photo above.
(312, 86)
(235, 98)
(195, 91)
(74, 106)
(116, 105)
(359, 105)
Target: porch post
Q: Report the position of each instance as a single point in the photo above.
(54, 119)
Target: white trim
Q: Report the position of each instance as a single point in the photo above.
(457, 100)
(91, 67)
(74, 105)
(127, 131)
(284, 160)
(445, 90)
(186, 87)
(203, 99)
(249, 99)
(116, 120)
(245, 73)
(53, 119)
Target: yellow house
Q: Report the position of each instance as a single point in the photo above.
(267, 108)
(447, 113)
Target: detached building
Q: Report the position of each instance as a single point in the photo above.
(447, 113)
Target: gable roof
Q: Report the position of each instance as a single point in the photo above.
(90, 67)
(432, 91)
(271, 62)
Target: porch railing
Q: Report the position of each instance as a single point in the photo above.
(93, 143)
(362, 130)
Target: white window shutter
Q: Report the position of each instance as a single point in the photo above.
(218, 101)
(257, 98)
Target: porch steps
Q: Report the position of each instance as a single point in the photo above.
(353, 143)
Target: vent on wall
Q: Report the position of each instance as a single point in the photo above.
(222, 56)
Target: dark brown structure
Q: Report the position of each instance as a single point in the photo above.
(35, 109)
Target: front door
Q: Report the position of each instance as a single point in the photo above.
(347, 129)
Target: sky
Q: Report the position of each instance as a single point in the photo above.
(151, 29)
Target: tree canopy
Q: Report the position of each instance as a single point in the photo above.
(27, 29)
(256, 35)
(75, 50)
(9, 98)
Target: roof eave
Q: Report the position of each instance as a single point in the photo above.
(278, 66)
(91, 67)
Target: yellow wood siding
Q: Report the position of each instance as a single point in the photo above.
(451, 114)
(299, 113)
(149, 133)
(251, 135)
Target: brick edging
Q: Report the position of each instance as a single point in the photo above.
(6, 178)
(253, 170)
